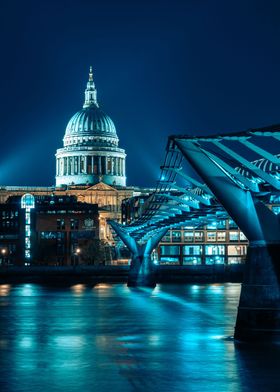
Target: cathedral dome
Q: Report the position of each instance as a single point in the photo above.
(91, 151)
(91, 121)
(90, 124)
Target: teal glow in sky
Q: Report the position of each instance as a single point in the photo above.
(160, 67)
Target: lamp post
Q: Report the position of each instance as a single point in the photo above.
(3, 253)
(76, 256)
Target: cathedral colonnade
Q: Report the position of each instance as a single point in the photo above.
(90, 164)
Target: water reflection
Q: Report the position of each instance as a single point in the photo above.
(172, 338)
(78, 289)
(258, 367)
(4, 289)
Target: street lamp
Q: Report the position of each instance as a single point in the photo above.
(3, 253)
(76, 255)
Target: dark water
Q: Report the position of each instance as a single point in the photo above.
(110, 338)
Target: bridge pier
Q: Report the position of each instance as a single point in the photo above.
(142, 272)
(142, 269)
(258, 317)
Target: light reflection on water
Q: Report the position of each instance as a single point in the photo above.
(172, 338)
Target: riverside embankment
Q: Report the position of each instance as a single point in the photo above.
(119, 274)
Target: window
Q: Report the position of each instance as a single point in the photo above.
(215, 254)
(188, 236)
(192, 250)
(217, 225)
(74, 224)
(214, 260)
(199, 236)
(235, 259)
(27, 201)
(60, 224)
(237, 250)
(169, 250)
(48, 235)
(242, 236)
(221, 236)
(169, 260)
(214, 250)
(234, 236)
(191, 260)
(276, 210)
(176, 236)
(232, 224)
(166, 238)
(211, 236)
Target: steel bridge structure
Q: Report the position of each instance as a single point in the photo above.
(205, 178)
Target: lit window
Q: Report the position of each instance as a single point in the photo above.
(211, 236)
(233, 236)
(27, 201)
(188, 236)
(60, 224)
(192, 250)
(214, 250)
(242, 236)
(276, 210)
(237, 250)
(232, 224)
(199, 236)
(176, 236)
(191, 260)
(221, 236)
(169, 250)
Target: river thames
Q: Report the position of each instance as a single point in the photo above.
(111, 338)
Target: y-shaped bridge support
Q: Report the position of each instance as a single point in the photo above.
(142, 271)
(259, 307)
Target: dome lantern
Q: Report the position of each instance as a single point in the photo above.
(90, 91)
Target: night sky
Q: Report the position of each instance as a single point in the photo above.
(160, 67)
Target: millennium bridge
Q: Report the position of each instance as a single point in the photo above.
(208, 177)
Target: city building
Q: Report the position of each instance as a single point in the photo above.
(219, 242)
(52, 230)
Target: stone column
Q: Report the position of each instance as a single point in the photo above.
(72, 165)
(106, 165)
(60, 166)
(123, 166)
(64, 166)
(114, 166)
(99, 166)
(79, 164)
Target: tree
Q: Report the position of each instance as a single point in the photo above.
(94, 252)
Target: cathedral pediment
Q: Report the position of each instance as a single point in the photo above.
(101, 186)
